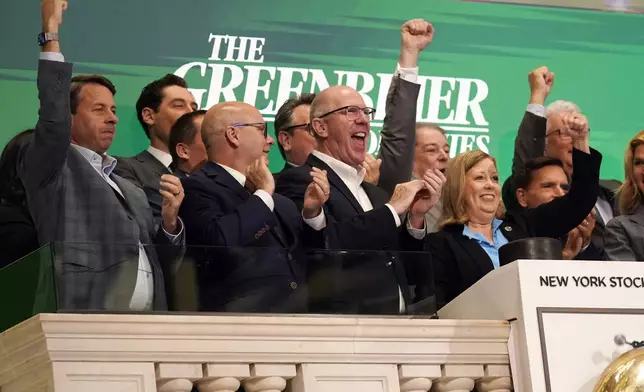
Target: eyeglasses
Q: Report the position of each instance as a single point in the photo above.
(292, 127)
(353, 112)
(261, 126)
(563, 134)
(560, 133)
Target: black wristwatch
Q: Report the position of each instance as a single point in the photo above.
(43, 38)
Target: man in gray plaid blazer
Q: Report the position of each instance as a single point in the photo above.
(96, 220)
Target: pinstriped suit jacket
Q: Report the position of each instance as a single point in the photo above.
(71, 203)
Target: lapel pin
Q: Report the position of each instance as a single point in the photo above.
(508, 228)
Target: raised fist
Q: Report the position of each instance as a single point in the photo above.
(52, 14)
(541, 81)
(416, 34)
(576, 125)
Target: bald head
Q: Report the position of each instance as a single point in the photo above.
(235, 134)
(340, 123)
(333, 98)
(221, 116)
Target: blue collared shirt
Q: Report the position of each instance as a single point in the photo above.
(492, 249)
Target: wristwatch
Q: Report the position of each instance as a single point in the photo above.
(43, 38)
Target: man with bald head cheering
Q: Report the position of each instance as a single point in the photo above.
(230, 202)
(358, 215)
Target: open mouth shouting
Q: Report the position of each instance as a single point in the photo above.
(359, 140)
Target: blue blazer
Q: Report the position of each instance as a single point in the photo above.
(254, 260)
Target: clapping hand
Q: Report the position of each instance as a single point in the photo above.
(372, 169)
(316, 194)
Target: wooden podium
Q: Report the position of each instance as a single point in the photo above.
(564, 316)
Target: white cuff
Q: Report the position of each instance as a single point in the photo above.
(393, 212)
(408, 74)
(52, 56)
(174, 238)
(536, 109)
(318, 223)
(418, 234)
(266, 198)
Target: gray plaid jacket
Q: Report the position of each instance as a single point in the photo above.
(95, 232)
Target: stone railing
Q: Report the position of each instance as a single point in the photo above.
(167, 353)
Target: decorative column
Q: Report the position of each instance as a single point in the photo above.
(417, 378)
(222, 377)
(268, 377)
(496, 379)
(177, 377)
(458, 378)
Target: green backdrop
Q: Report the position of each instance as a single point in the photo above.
(474, 74)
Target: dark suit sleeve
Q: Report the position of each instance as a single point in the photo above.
(360, 232)
(440, 277)
(155, 200)
(43, 158)
(529, 144)
(125, 169)
(398, 134)
(592, 252)
(617, 242)
(208, 224)
(556, 218)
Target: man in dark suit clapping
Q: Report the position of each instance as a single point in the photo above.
(257, 262)
(358, 215)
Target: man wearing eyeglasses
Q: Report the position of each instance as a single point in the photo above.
(359, 215)
(546, 131)
(255, 236)
(294, 139)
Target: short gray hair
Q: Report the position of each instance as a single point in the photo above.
(561, 106)
(430, 125)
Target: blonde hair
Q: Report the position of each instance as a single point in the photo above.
(453, 196)
(629, 194)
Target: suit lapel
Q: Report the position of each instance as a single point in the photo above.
(473, 248)
(376, 195)
(478, 254)
(223, 178)
(131, 204)
(123, 186)
(512, 232)
(150, 161)
(335, 181)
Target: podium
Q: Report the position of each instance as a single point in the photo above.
(564, 317)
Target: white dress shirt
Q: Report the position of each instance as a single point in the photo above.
(143, 295)
(161, 156)
(408, 74)
(353, 178)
